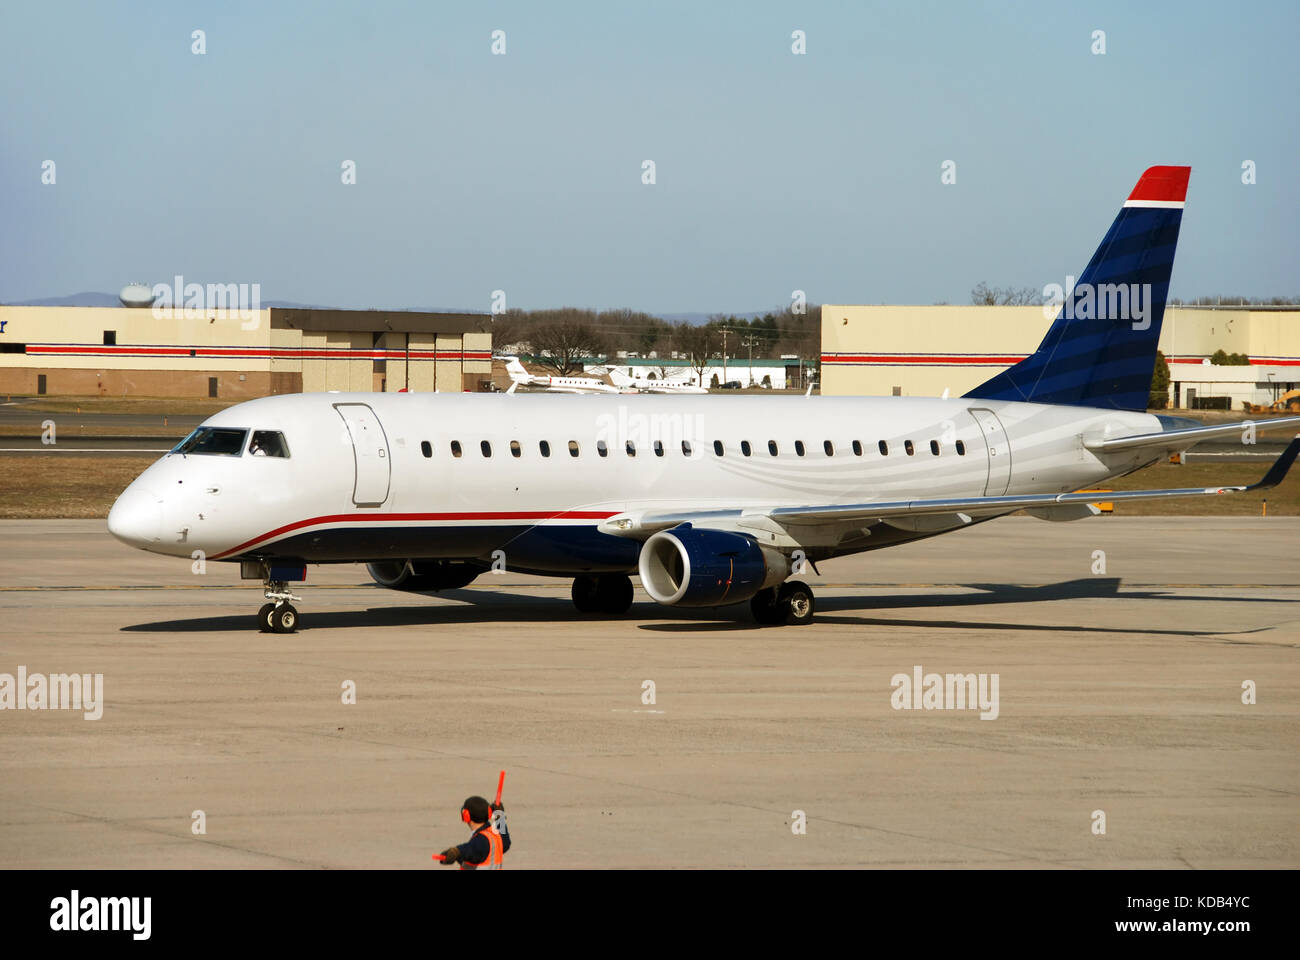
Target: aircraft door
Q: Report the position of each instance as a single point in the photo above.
(370, 454)
(998, 446)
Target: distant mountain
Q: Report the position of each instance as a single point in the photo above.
(86, 299)
(92, 299)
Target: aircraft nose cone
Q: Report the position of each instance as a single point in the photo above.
(136, 517)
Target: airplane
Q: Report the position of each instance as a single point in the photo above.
(622, 380)
(713, 502)
(522, 378)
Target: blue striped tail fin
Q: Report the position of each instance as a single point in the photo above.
(1101, 349)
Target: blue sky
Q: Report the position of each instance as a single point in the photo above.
(522, 172)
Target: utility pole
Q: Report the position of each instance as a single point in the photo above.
(749, 342)
(724, 356)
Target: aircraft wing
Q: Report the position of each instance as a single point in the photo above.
(958, 510)
(1185, 437)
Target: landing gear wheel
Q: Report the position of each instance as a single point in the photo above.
(284, 618)
(584, 594)
(767, 608)
(614, 592)
(795, 600)
(264, 618)
(608, 593)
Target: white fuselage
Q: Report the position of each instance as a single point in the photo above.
(388, 484)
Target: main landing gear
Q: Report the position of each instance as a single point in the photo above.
(790, 604)
(278, 616)
(607, 593)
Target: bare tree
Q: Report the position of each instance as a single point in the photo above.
(562, 339)
(697, 344)
(982, 295)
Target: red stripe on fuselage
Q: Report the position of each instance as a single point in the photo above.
(413, 517)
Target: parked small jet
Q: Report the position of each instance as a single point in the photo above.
(623, 381)
(522, 378)
(711, 500)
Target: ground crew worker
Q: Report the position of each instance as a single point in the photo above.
(488, 843)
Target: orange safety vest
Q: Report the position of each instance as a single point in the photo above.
(495, 852)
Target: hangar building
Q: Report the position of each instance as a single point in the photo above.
(143, 351)
(923, 351)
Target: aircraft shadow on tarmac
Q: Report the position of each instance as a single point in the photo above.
(483, 606)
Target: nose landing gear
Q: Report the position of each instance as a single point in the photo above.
(278, 616)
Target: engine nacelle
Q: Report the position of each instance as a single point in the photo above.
(422, 575)
(707, 568)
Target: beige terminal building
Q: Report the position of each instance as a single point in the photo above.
(144, 351)
(923, 351)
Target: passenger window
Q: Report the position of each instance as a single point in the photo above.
(486, 448)
(515, 449)
(961, 449)
(686, 448)
(573, 448)
(829, 448)
(857, 448)
(934, 447)
(744, 447)
(798, 448)
(771, 447)
(455, 448)
(631, 449)
(659, 448)
(907, 446)
(717, 448)
(602, 449)
(544, 448)
(426, 448)
(884, 448)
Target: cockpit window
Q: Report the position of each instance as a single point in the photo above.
(218, 441)
(268, 443)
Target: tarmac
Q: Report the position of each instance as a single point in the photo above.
(1120, 692)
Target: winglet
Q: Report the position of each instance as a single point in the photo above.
(1280, 466)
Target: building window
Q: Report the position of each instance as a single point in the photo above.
(771, 447)
(961, 449)
(544, 448)
(659, 448)
(857, 448)
(934, 447)
(717, 448)
(798, 448)
(485, 447)
(212, 386)
(573, 448)
(907, 446)
(829, 448)
(110, 338)
(40, 384)
(455, 448)
(426, 448)
(884, 448)
(744, 448)
(516, 450)
(602, 449)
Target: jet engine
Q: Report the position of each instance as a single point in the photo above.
(423, 575)
(707, 568)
